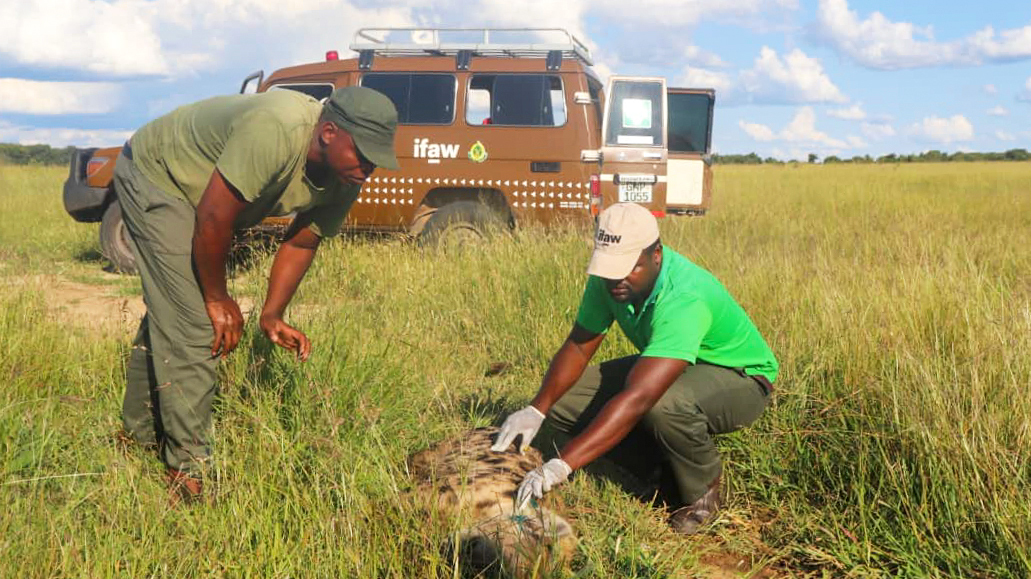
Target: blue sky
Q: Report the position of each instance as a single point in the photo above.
(843, 77)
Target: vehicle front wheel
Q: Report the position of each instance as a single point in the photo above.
(114, 240)
(462, 223)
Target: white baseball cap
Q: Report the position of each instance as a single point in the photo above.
(624, 231)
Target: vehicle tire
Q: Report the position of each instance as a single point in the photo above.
(114, 240)
(462, 223)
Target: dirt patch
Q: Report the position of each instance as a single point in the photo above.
(99, 305)
(728, 565)
(93, 305)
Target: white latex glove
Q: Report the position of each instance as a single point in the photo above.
(526, 422)
(540, 480)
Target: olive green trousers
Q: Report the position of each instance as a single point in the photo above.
(677, 433)
(170, 378)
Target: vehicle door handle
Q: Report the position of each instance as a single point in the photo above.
(653, 155)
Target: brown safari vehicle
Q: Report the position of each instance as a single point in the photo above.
(493, 131)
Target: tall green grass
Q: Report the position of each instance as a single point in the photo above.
(35, 230)
(896, 298)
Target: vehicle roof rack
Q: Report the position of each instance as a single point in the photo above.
(435, 42)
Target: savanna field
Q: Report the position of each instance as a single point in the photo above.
(898, 443)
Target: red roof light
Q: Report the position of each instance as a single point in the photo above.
(332, 55)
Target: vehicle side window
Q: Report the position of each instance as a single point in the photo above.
(420, 99)
(689, 116)
(318, 91)
(535, 100)
(595, 92)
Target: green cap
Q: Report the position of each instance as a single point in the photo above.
(370, 118)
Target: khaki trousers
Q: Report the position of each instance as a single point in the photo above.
(677, 433)
(170, 379)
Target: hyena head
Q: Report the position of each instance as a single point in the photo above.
(462, 477)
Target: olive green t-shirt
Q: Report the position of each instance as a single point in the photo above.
(258, 142)
(688, 316)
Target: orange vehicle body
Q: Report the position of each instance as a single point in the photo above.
(528, 136)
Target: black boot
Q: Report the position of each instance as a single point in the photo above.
(687, 520)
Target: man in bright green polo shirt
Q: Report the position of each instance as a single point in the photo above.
(185, 183)
(703, 369)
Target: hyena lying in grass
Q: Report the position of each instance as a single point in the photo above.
(463, 479)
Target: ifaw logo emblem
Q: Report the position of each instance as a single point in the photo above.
(607, 238)
(477, 152)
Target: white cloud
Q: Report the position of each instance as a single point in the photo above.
(794, 79)
(653, 32)
(108, 38)
(943, 130)
(857, 142)
(852, 113)
(1025, 95)
(680, 13)
(1009, 45)
(177, 38)
(991, 89)
(877, 42)
(757, 131)
(696, 56)
(61, 137)
(998, 111)
(1004, 136)
(57, 98)
(878, 131)
(702, 78)
(800, 130)
(526, 13)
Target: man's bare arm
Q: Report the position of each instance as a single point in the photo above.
(647, 382)
(290, 265)
(567, 366)
(212, 238)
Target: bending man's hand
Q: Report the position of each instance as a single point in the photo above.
(540, 480)
(525, 422)
(286, 336)
(227, 323)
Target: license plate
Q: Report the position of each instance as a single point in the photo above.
(635, 192)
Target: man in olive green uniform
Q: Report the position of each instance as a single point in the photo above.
(703, 369)
(186, 182)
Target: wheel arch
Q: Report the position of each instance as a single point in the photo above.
(439, 197)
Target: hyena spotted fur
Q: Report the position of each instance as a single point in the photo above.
(462, 478)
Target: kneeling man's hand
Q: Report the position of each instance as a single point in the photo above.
(540, 480)
(286, 336)
(525, 422)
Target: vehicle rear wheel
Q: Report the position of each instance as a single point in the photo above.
(462, 223)
(114, 240)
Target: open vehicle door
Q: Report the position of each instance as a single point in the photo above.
(633, 153)
(689, 144)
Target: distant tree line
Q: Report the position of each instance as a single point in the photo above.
(34, 155)
(933, 156)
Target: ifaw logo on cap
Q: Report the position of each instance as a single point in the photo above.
(607, 238)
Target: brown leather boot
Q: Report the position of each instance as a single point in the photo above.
(184, 487)
(687, 520)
